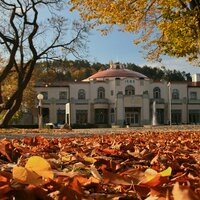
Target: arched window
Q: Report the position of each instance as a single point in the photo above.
(175, 94)
(156, 93)
(129, 90)
(101, 93)
(81, 94)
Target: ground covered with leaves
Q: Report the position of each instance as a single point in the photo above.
(138, 165)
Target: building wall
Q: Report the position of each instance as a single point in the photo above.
(53, 105)
(145, 114)
(75, 87)
(117, 102)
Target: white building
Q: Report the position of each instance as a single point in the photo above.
(119, 96)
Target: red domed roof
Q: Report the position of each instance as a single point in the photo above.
(116, 73)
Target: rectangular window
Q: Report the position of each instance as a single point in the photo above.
(176, 117)
(62, 95)
(45, 95)
(132, 116)
(117, 81)
(112, 118)
(112, 115)
(81, 116)
(160, 116)
(194, 116)
(111, 92)
(67, 118)
(60, 116)
(101, 116)
(193, 95)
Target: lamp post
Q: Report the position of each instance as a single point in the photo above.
(170, 104)
(40, 98)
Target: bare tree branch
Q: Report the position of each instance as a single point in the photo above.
(25, 42)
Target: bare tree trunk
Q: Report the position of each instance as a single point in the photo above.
(20, 37)
(16, 99)
(1, 99)
(10, 112)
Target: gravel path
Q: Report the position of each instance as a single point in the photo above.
(62, 134)
(21, 133)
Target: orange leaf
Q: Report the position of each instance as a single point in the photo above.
(4, 189)
(3, 179)
(9, 151)
(73, 190)
(152, 182)
(153, 178)
(110, 177)
(69, 194)
(110, 151)
(75, 185)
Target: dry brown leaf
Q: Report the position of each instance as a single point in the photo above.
(95, 173)
(110, 177)
(118, 169)
(183, 193)
(4, 190)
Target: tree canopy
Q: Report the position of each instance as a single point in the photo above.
(164, 27)
(69, 70)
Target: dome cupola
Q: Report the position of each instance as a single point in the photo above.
(116, 70)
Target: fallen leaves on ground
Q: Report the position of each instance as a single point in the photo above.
(137, 165)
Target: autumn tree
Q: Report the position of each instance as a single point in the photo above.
(9, 86)
(165, 27)
(31, 30)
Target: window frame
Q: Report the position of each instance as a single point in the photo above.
(156, 93)
(62, 95)
(101, 93)
(193, 95)
(129, 90)
(81, 116)
(81, 94)
(175, 94)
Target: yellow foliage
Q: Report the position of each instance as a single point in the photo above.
(90, 159)
(40, 166)
(34, 171)
(23, 175)
(166, 172)
(67, 158)
(167, 27)
(151, 173)
(153, 178)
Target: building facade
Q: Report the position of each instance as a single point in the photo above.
(55, 98)
(118, 96)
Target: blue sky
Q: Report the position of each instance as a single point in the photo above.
(118, 47)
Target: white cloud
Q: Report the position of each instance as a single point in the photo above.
(174, 63)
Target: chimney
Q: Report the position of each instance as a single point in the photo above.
(195, 77)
